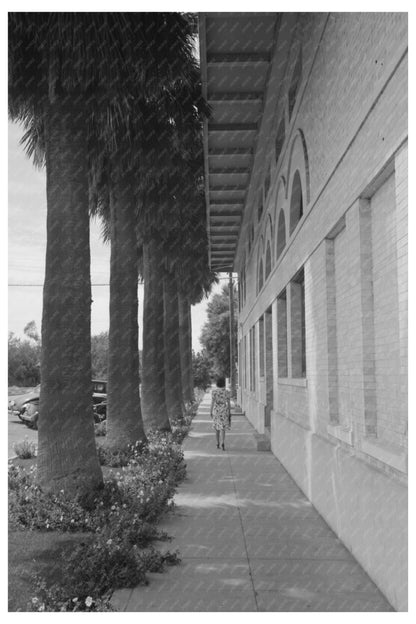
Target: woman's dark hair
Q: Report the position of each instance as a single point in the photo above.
(220, 382)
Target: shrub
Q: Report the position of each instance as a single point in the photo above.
(138, 493)
(119, 458)
(25, 449)
(100, 429)
(92, 571)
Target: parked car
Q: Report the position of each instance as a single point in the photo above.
(100, 411)
(27, 405)
(30, 414)
(99, 399)
(17, 402)
(99, 391)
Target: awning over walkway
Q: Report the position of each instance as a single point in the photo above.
(236, 51)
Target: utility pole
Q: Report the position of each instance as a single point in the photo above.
(232, 367)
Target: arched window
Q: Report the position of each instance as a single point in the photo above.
(261, 277)
(259, 209)
(268, 260)
(296, 202)
(242, 287)
(267, 184)
(281, 234)
(251, 237)
(295, 82)
(280, 138)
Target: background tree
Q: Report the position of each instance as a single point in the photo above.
(31, 331)
(201, 368)
(23, 362)
(99, 355)
(215, 334)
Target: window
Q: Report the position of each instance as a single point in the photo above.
(297, 317)
(282, 335)
(252, 359)
(267, 183)
(291, 304)
(250, 237)
(260, 209)
(296, 202)
(268, 260)
(240, 359)
(261, 278)
(295, 82)
(241, 288)
(281, 234)
(245, 362)
(261, 345)
(280, 139)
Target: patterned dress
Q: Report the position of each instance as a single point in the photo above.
(220, 409)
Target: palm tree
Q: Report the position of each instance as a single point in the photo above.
(185, 342)
(124, 418)
(155, 413)
(166, 203)
(173, 373)
(43, 86)
(148, 133)
(196, 280)
(66, 71)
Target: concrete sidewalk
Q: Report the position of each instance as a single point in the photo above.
(248, 538)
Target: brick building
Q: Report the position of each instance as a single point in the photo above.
(306, 163)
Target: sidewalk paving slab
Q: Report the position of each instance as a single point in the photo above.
(248, 538)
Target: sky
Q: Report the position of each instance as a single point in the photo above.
(27, 246)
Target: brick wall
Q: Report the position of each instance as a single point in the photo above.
(347, 138)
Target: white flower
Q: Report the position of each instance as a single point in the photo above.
(88, 601)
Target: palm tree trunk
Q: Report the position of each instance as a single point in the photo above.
(185, 337)
(67, 457)
(124, 417)
(173, 376)
(155, 414)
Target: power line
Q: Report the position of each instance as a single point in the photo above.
(140, 283)
(40, 285)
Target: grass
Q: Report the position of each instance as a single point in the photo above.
(32, 553)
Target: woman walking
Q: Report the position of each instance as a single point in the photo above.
(220, 411)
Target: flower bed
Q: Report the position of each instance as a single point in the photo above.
(121, 520)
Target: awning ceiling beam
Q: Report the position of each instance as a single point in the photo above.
(235, 52)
